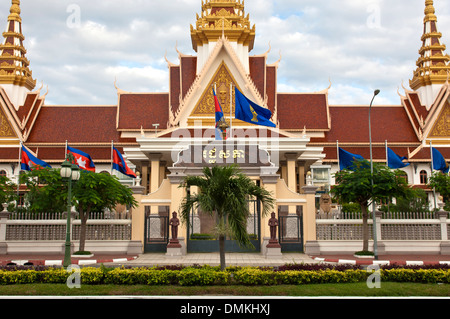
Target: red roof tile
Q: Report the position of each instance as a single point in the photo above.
(175, 87)
(188, 73)
(83, 124)
(295, 111)
(257, 72)
(351, 124)
(9, 154)
(136, 110)
(271, 86)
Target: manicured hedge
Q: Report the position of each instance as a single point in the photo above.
(205, 275)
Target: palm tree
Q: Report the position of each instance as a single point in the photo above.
(223, 193)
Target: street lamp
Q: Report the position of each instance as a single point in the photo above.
(374, 224)
(69, 172)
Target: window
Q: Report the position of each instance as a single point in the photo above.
(3, 173)
(423, 177)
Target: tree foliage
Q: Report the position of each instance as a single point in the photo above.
(355, 186)
(93, 192)
(223, 192)
(7, 191)
(441, 183)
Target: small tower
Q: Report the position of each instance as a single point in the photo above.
(222, 18)
(15, 75)
(433, 64)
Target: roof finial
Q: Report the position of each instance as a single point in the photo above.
(15, 11)
(14, 66)
(429, 11)
(433, 63)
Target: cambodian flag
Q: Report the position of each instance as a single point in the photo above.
(219, 117)
(29, 161)
(82, 159)
(120, 165)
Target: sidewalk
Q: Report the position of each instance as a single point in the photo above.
(212, 259)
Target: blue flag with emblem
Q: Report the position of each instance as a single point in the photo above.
(439, 162)
(394, 161)
(347, 159)
(251, 112)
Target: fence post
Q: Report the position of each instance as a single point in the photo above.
(4, 215)
(378, 216)
(442, 215)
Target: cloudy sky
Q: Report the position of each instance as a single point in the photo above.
(79, 47)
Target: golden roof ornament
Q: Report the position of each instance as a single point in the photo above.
(433, 64)
(14, 66)
(223, 18)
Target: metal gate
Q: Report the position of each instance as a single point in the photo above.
(156, 232)
(204, 241)
(291, 232)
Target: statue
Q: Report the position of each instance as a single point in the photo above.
(174, 223)
(325, 203)
(273, 224)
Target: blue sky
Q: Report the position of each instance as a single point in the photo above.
(79, 47)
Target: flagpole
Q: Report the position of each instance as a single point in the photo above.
(65, 151)
(432, 169)
(387, 156)
(112, 151)
(337, 151)
(18, 176)
(231, 108)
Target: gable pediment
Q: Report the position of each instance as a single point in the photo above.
(222, 69)
(6, 129)
(223, 83)
(441, 127)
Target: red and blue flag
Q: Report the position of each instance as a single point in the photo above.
(82, 159)
(30, 162)
(120, 165)
(219, 117)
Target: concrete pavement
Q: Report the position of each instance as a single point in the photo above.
(213, 259)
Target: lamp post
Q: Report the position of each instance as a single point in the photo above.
(70, 173)
(374, 224)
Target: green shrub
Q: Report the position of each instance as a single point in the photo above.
(202, 277)
(254, 276)
(416, 275)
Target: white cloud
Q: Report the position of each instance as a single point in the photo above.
(360, 45)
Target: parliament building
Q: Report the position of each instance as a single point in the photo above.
(166, 136)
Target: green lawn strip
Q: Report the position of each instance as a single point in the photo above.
(388, 289)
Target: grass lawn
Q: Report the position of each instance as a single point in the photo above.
(388, 289)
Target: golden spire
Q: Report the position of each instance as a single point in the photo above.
(433, 64)
(14, 66)
(223, 18)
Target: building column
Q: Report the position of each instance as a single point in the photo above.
(283, 171)
(144, 176)
(155, 172)
(291, 173)
(309, 214)
(301, 176)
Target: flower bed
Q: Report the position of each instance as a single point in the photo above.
(207, 275)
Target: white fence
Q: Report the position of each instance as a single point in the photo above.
(390, 226)
(52, 226)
